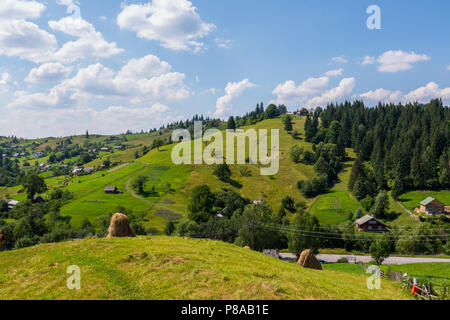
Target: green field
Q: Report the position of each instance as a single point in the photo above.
(333, 207)
(173, 268)
(436, 273)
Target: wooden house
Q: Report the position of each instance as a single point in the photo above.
(111, 190)
(432, 207)
(370, 224)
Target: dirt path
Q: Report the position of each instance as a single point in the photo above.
(119, 167)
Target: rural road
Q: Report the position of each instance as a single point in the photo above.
(333, 258)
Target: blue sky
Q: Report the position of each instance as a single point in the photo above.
(68, 65)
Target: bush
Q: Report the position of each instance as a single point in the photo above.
(170, 228)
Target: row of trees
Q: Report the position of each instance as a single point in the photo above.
(226, 216)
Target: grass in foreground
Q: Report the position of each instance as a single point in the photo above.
(172, 268)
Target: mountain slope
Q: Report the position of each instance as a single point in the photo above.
(171, 268)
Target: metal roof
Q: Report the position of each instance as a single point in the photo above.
(363, 220)
(427, 201)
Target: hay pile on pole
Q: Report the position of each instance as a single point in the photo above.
(120, 227)
(309, 260)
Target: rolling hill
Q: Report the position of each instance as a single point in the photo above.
(169, 186)
(172, 268)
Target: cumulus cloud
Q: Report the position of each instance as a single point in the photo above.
(20, 37)
(175, 24)
(339, 59)
(90, 43)
(422, 94)
(48, 72)
(24, 39)
(382, 95)
(6, 82)
(21, 9)
(233, 91)
(343, 90)
(313, 92)
(395, 61)
(63, 122)
(153, 82)
(334, 73)
(368, 60)
(291, 94)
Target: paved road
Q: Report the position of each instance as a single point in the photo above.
(333, 258)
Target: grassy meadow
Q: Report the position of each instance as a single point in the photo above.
(173, 268)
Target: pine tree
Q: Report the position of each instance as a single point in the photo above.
(231, 125)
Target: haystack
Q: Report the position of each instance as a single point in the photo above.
(120, 227)
(308, 260)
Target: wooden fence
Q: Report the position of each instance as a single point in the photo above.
(424, 292)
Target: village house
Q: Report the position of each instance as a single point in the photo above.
(432, 207)
(111, 190)
(38, 154)
(370, 224)
(88, 170)
(118, 147)
(104, 149)
(76, 171)
(12, 203)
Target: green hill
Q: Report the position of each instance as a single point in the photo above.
(172, 268)
(161, 203)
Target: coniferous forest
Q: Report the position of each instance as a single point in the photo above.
(399, 147)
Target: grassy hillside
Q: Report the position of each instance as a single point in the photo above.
(172, 268)
(164, 202)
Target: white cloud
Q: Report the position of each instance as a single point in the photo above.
(430, 91)
(22, 38)
(223, 43)
(152, 83)
(197, 79)
(421, 94)
(334, 73)
(448, 68)
(20, 9)
(174, 23)
(90, 43)
(395, 61)
(64, 122)
(25, 39)
(290, 94)
(339, 60)
(343, 90)
(233, 91)
(48, 72)
(6, 81)
(368, 60)
(382, 95)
